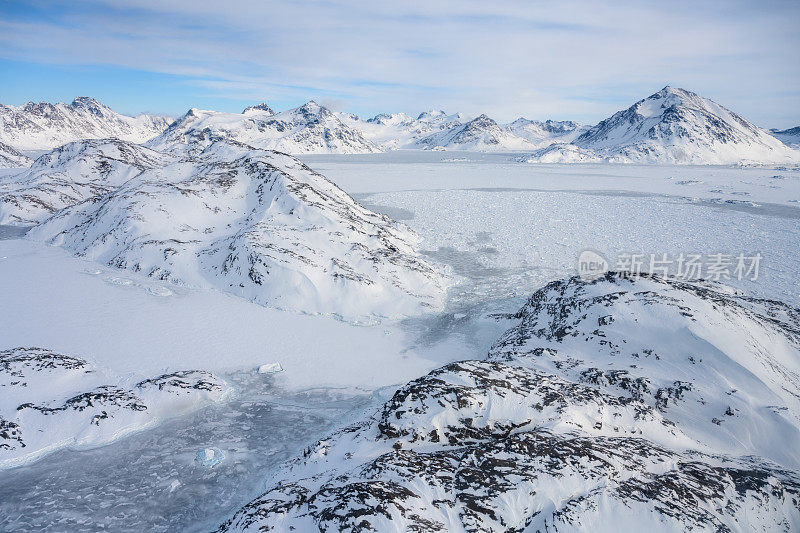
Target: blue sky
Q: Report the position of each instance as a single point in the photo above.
(565, 60)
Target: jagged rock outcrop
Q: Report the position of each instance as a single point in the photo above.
(261, 108)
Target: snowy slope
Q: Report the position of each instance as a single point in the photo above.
(479, 134)
(70, 174)
(12, 158)
(611, 405)
(44, 126)
(51, 401)
(310, 128)
(542, 134)
(678, 127)
(256, 224)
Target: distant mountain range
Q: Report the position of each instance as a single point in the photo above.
(308, 129)
(790, 137)
(672, 126)
(43, 126)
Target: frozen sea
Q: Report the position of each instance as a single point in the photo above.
(500, 227)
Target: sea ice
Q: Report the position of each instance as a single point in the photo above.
(210, 457)
(270, 368)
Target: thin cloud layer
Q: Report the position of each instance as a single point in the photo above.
(574, 60)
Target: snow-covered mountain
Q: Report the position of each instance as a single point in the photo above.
(52, 401)
(545, 133)
(671, 126)
(436, 129)
(436, 119)
(253, 223)
(479, 134)
(392, 119)
(71, 174)
(391, 131)
(790, 137)
(617, 404)
(676, 126)
(12, 158)
(44, 126)
(307, 129)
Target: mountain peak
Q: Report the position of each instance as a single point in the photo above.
(678, 126)
(91, 105)
(311, 104)
(313, 108)
(682, 95)
(86, 101)
(432, 113)
(262, 107)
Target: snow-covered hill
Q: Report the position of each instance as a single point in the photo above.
(256, 224)
(308, 129)
(479, 134)
(569, 153)
(643, 404)
(675, 126)
(52, 401)
(70, 174)
(790, 137)
(542, 134)
(12, 158)
(44, 126)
